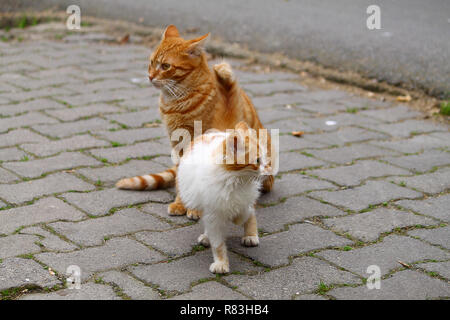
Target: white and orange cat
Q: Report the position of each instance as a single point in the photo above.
(221, 176)
(191, 91)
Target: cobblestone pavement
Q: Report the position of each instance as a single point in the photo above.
(367, 184)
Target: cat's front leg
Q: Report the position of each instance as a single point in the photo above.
(216, 238)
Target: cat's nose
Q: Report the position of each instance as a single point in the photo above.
(150, 78)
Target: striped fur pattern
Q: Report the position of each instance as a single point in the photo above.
(161, 180)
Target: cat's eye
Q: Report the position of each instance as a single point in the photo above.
(258, 161)
(165, 66)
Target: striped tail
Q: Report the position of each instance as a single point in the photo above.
(161, 180)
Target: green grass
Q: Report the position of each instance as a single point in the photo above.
(352, 110)
(445, 108)
(116, 144)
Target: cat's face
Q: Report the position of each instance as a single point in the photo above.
(173, 61)
(244, 152)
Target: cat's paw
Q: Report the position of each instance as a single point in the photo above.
(176, 209)
(219, 267)
(250, 241)
(203, 240)
(193, 214)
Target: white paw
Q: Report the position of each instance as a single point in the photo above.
(250, 241)
(203, 240)
(219, 267)
(193, 215)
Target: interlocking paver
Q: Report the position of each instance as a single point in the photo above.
(78, 115)
(384, 254)
(99, 203)
(438, 236)
(179, 274)
(92, 232)
(17, 272)
(435, 207)
(78, 142)
(54, 183)
(355, 174)
(403, 285)
(35, 168)
(294, 209)
(44, 210)
(435, 182)
(115, 253)
(369, 225)
(273, 251)
(371, 193)
(302, 276)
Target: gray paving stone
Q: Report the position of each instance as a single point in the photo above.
(355, 174)
(328, 95)
(272, 87)
(384, 254)
(142, 149)
(350, 153)
(435, 182)
(25, 120)
(439, 236)
(131, 287)
(291, 124)
(115, 253)
(339, 120)
(293, 184)
(323, 108)
(371, 193)
(345, 135)
(295, 161)
(273, 114)
(18, 244)
(302, 276)
(289, 143)
(406, 128)
(99, 203)
(88, 291)
(33, 94)
(442, 268)
(35, 168)
(415, 144)
(49, 240)
(132, 168)
(17, 272)
(107, 84)
(133, 135)
(180, 274)
(210, 290)
(63, 130)
(9, 154)
(77, 142)
(403, 285)
(33, 105)
(274, 251)
(160, 209)
(7, 177)
(249, 77)
(92, 232)
(310, 297)
(2, 204)
(370, 225)
(55, 183)
(81, 112)
(135, 119)
(174, 242)
(435, 207)
(294, 209)
(280, 99)
(395, 114)
(422, 162)
(42, 211)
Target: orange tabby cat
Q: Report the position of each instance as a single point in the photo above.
(191, 91)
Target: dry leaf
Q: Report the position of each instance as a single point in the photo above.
(151, 125)
(404, 264)
(297, 133)
(406, 98)
(125, 39)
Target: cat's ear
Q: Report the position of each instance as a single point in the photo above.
(242, 125)
(171, 31)
(195, 46)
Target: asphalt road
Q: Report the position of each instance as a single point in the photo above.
(412, 46)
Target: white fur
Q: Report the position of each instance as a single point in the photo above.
(221, 195)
